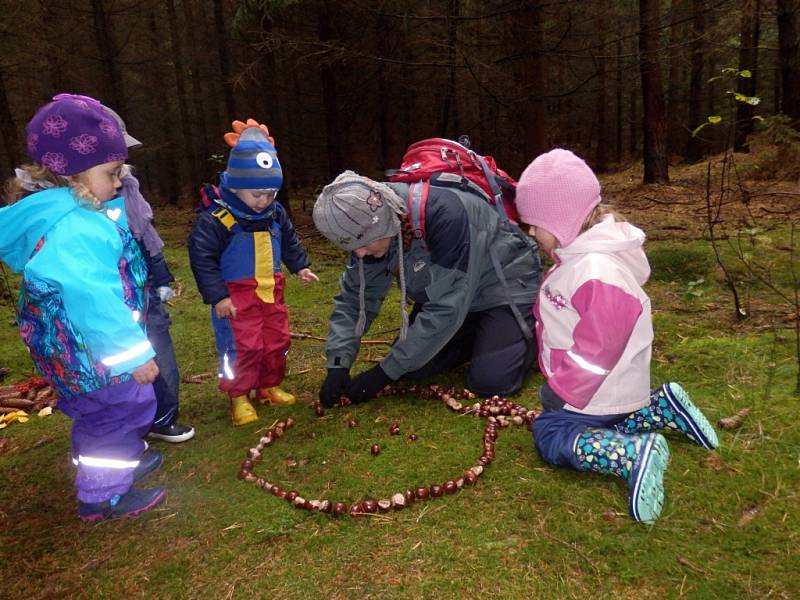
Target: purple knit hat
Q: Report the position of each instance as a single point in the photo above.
(72, 134)
(556, 192)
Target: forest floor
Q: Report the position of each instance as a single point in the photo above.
(730, 526)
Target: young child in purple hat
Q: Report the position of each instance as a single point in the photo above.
(82, 297)
(595, 336)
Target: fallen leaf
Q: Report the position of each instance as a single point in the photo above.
(46, 411)
(748, 514)
(735, 421)
(713, 462)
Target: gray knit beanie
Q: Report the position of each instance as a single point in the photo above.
(353, 211)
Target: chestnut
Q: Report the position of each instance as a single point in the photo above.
(356, 509)
(394, 428)
(352, 423)
(276, 490)
(412, 437)
(289, 422)
(376, 449)
(398, 501)
(247, 465)
(409, 496)
(450, 487)
(384, 504)
(298, 501)
(470, 477)
(290, 496)
(437, 491)
(318, 410)
(253, 454)
(326, 506)
(243, 474)
(422, 493)
(370, 505)
(265, 441)
(339, 508)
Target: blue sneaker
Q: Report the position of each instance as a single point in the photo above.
(149, 463)
(130, 504)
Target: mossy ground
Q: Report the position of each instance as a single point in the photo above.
(729, 527)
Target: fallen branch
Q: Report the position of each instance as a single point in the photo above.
(308, 336)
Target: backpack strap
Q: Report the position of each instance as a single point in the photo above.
(417, 200)
(496, 192)
(224, 216)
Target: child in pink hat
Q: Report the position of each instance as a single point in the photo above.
(595, 335)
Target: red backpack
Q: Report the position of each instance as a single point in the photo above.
(476, 173)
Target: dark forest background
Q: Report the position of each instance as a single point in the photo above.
(351, 84)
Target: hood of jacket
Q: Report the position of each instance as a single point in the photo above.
(25, 222)
(619, 239)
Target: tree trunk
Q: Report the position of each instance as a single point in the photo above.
(748, 59)
(8, 130)
(787, 58)
(449, 103)
(180, 92)
(676, 135)
(113, 95)
(334, 133)
(601, 156)
(694, 149)
(654, 118)
(619, 90)
(530, 74)
(168, 164)
(224, 59)
(195, 79)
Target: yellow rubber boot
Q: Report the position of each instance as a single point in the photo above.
(275, 395)
(242, 412)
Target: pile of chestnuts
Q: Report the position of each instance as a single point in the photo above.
(499, 412)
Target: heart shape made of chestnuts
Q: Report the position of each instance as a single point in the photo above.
(499, 412)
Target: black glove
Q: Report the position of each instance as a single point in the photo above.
(549, 399)
(367, 385)
(334, 386)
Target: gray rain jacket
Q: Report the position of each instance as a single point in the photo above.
(450, 274)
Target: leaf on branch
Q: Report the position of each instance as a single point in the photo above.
(714, 119)
(746, 73)
(698, 128)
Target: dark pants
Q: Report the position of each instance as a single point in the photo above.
(167, 384)
(555, 432)
(107, 430)
(492, 342)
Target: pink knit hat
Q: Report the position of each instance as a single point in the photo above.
(556, 192)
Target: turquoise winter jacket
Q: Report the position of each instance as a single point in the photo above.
(82, 294)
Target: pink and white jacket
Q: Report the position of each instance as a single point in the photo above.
(593, 321)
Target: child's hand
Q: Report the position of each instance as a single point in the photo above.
(147, 373)
(225, 309)
(306, 276)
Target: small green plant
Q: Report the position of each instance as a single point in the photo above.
(695, 289)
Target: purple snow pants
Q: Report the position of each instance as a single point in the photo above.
(107, 430)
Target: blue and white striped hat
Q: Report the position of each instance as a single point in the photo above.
(253, 163)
